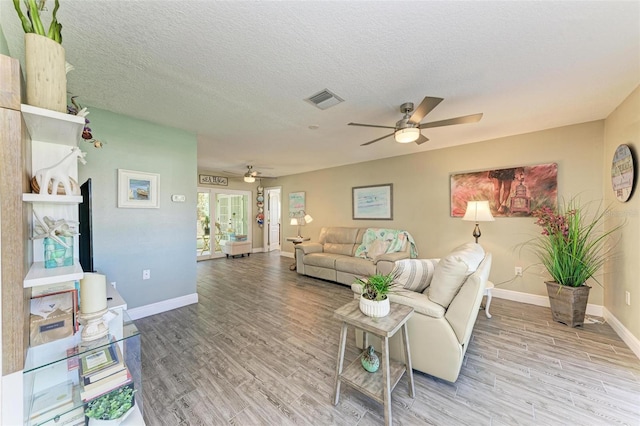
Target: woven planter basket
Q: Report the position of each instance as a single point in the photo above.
(568, 304)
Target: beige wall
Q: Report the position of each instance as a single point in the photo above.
(421, 195)
(623, 127)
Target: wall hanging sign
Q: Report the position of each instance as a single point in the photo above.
(296, 204)
(138, 190)
(214, 180)
(373, 202)
(512, 192)
(622, 173)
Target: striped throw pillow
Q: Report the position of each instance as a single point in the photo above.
(414, 274)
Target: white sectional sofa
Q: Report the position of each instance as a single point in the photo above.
(445, 311)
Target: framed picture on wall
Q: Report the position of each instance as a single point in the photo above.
(296, 204)
(511, 192)
(138, 190)
(374, 202)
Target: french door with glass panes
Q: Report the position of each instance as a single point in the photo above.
(223, 215)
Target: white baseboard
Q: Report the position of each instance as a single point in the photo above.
(534, 299)
(165, 305)
(632, 341)
(286, 254)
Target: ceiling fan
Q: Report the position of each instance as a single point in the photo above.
(250, 175)
(408, 128)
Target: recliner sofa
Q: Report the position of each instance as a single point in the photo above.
(445, 312)
(333, 256)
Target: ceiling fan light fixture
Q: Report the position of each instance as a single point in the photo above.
(249, 179)
(408, 135)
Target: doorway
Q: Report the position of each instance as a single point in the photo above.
(223, 215)
(273, 218)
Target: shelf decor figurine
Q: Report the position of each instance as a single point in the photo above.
(45, 65)
(370, 360)
(93, 306)
(58, 240)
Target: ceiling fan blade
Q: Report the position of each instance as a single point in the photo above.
(376, 140)
(422, 139)
(370, 125)
(473, 118)
(426, 106)
(231, 173)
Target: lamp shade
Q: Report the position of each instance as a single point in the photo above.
(410, 134)
(249, 179)
(478, 211)
(294, 221)
(308, 218)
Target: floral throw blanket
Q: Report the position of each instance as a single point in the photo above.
(378, 241)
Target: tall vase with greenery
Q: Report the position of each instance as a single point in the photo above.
(31, 23)
(45, 65)
(573, 247)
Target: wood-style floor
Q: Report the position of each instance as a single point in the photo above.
(261, 345)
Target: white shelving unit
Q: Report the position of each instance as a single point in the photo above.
(51, 199)
(53, 134)
(52, 126)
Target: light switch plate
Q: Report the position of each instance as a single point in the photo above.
(178, 198)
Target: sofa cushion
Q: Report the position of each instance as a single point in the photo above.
(414, 274)
(377, 248)
(355, 265)
(336, 248)
(452, 271)
(418, 301)
(472, 254)
(323, 260)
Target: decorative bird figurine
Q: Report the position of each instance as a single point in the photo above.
(370, 360)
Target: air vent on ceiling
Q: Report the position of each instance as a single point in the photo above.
(324, 99)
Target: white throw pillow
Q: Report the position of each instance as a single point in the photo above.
(414, 274)
(452, 271)
(470, 253)
(377, 248)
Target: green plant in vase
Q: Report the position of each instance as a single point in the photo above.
(31, 23)
(374, 301)
(572, 248)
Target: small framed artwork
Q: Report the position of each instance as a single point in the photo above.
(296, 204)
(374, 202)
(138, 190)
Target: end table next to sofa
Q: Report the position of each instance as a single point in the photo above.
(380, 384)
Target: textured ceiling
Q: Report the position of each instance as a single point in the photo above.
(236, 73)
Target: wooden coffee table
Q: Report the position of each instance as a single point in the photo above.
(376, 385)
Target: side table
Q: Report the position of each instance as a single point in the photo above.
(380, 384)
(296, 241)
(487, 292)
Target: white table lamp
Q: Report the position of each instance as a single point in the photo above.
(478, 211)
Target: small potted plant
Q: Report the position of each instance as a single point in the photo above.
(374, 301)
(572, 248)
(111, 409)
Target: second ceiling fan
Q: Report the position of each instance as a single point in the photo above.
(408, 128)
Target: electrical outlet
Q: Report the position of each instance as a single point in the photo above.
(146, 274)
(518, 271)
(627, 298)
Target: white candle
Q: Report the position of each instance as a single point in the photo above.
(93, 293)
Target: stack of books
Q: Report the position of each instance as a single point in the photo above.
(101, 371)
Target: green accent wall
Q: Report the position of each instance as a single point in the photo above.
(4, 48)
(127, 241)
